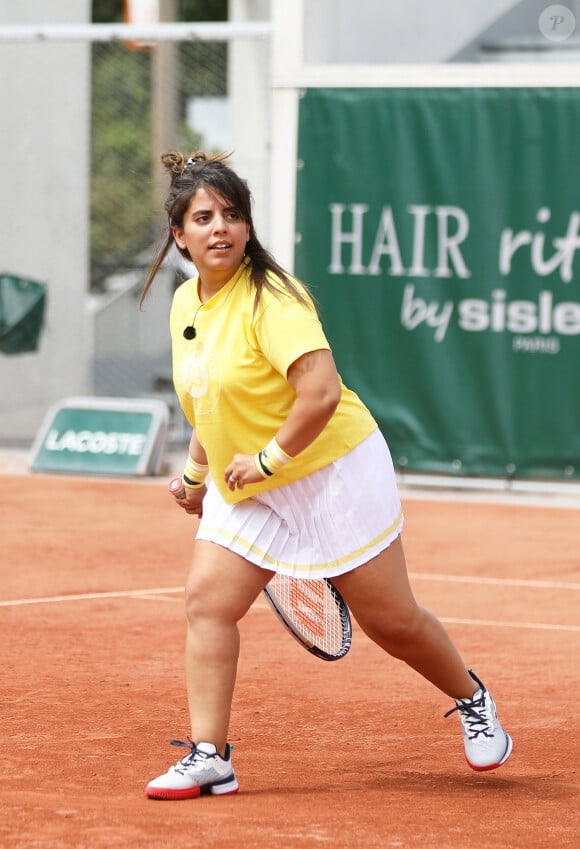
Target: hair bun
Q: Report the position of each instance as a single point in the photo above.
(174, 162)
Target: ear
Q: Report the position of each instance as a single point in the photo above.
(178, 236)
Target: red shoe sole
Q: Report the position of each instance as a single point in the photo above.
(167, 795)
(493, 766)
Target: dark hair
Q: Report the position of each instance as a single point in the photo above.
(213, 173)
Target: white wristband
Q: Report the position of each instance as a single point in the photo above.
(271, 459)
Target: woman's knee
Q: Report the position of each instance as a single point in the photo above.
(195, 608)
(395, 631)
(221, 585)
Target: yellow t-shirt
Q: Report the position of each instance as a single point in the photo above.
(231, 378)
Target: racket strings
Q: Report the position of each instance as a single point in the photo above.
(312, 610)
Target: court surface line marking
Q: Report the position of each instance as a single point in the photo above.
(536, 626)
(164, 591)
(422, 576)
(21, 602)
(502, 582)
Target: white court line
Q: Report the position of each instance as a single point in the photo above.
(160, 591)
(502, 582)
(152, 597)
(536, 626)
(423, 576)
(21, 602)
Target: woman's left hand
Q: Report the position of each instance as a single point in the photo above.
(242, 470)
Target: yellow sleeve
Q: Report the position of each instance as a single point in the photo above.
(286, 330)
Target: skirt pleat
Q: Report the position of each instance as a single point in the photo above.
(320, 526)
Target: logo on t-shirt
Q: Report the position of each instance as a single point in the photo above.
(201, 375)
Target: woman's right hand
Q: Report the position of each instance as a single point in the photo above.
(191, 500)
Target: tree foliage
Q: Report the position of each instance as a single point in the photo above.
(123, 221)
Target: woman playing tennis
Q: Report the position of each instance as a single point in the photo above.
(288, 472)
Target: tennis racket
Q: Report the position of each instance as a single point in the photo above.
(313, 611)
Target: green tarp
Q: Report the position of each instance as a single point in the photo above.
(22, 306)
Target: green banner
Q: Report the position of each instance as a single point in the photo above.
(438, 230)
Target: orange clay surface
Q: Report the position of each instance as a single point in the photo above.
(348, 754)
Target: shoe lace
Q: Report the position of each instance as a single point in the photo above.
(475, 716)
(193, 756)
(196, 756)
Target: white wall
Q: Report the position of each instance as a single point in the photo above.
(393, 31)
(249, 86)
(44, 170)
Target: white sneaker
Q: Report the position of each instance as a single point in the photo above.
(203, 770)
(487, 745)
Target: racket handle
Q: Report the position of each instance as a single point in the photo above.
(176, 488)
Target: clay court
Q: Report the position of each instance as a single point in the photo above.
(348, 754)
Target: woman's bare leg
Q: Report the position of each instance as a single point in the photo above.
(381, 600)
(220, 589)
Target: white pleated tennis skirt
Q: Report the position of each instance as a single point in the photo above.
(320, 526)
